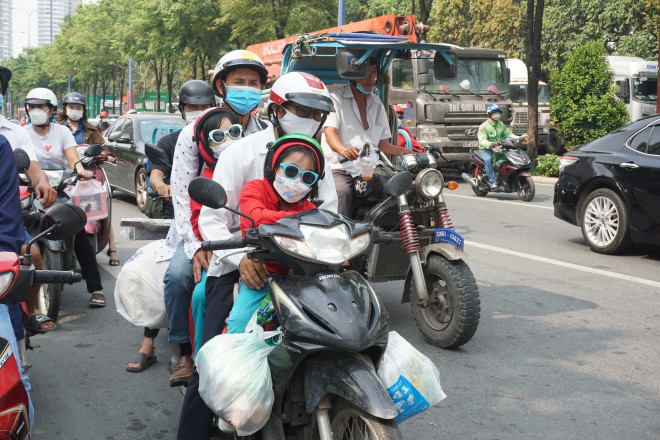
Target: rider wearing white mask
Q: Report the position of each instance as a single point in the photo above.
(298, 103)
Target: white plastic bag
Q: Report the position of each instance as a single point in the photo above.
(234, 379)
(410, 378)
(139, 289)
(91, 197)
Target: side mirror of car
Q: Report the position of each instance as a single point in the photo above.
(114, 136)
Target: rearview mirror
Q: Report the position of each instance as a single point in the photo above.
(93, 150)
(156, 155)
(348, 67)
(22, 160)
(207, 192)
(442, 68)
(398, 184)
(114, 136)
(68, 220)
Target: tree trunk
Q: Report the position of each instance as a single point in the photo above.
(424, 12)
(95, 90)
(158, 79)
(533, 51)
(194, 66)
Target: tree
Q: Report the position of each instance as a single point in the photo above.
(583, 103)
(533, 51)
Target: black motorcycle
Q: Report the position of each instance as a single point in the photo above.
(512, 167)
(334, 327)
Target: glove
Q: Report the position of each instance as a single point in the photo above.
(493, 145)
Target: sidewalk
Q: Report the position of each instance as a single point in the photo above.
(545, 180)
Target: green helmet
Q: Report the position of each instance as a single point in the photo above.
(290, 140)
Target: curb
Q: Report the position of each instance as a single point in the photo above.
(544, 180)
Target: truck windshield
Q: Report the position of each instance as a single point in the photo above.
(518, 92)
(475, 75)
(646, 90)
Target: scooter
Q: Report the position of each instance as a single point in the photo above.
(512, 170)
(17, 275)
(334, 327)
(428, 255)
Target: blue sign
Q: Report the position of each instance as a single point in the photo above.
(449, 236)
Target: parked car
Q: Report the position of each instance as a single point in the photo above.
(126, 138)
(610, 187)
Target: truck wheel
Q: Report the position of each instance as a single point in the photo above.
(604, 221)
(452, 317)
(50, 295)
(554, 144)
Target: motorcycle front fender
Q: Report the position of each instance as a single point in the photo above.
(445, 250)
(53, 245)
(350, 376)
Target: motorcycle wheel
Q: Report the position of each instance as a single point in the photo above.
(141, 196)
(452, 317)
(477, 190)
(50, 295)
(525, 188)
(351, 423)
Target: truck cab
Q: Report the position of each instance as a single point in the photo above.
(636, 82)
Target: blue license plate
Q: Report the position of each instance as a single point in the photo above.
(449, 236)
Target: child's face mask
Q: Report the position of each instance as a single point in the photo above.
(291, 190)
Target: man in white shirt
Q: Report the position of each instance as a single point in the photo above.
(360, 119)
(298, 103)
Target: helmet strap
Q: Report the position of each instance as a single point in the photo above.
(272, 115)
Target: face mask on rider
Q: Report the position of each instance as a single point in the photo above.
(74, 115)
(496, 116)
(291, 190)
(291, 123)
(219, 148)
(2, 101)
(38, 116)
(243, 99)
(192, 116)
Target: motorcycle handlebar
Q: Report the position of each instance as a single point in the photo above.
(218, 245)
(383, 239)
(56, 277)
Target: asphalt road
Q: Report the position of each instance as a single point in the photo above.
(567, 348)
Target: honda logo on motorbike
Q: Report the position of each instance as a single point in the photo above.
(471, 132)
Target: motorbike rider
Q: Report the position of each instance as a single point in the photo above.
(195, 96)
(406, 139)
(103, 124)
(239, 77)
(74, 117)
(18, 137)
(360, 118)
(298, 103)
(55, 143)
(491, 132)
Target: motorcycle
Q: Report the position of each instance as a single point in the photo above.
(439, 285)
(334, 327)
(56, 254)
(17, 275)
(512, 170)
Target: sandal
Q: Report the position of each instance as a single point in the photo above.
(112, 261)
(144, 361)
(97, 300)
(33, 325)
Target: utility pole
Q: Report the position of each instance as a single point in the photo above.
(341, 13)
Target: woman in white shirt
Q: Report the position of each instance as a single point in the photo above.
(55, 143)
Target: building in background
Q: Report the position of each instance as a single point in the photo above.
(60, 9)
(6, 43)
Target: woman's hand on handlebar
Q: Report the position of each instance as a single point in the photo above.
(85, 175)
(253, 274)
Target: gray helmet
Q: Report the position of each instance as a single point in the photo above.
(196, 92)
(74, 98)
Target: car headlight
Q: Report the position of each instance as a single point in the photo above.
(429, 183)
(325, 245)
(5, 281)
(54, 177)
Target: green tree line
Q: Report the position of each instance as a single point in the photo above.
(172, 41)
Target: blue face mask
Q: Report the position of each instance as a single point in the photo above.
(2, 101)
(243, 99)
(399, 122)
(361, 89)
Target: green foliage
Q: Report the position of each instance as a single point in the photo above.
(583, 101)
(548, 165)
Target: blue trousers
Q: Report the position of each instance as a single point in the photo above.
(179, 285)
(246, 304)
(488, 162)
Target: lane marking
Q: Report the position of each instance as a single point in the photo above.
(606, 273)
(526, 204)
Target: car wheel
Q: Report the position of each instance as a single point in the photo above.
(141, 196)
(604, 222)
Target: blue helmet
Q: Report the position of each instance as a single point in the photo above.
(493, 108)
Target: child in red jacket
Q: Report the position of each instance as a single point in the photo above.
(294, 165)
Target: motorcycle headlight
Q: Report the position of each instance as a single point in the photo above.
(5, 281)
(324, 245)
(54, 177)
(25, 202)
(429, 183)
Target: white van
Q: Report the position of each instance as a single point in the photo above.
(637, 84)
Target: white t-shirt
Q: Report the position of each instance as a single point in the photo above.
(346, 119)
(50, 148)
(18, 137)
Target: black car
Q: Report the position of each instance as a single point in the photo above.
(126, 138)
(610, 187)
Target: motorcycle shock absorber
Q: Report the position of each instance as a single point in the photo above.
(409, 235)
(443, 218)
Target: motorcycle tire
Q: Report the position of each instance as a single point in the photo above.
(525, 188)
(452, 317)
(477, 190)
(50, 295)
(351, 423)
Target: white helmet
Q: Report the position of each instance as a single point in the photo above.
(236, 59)
(40, 96)
(301, 88)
